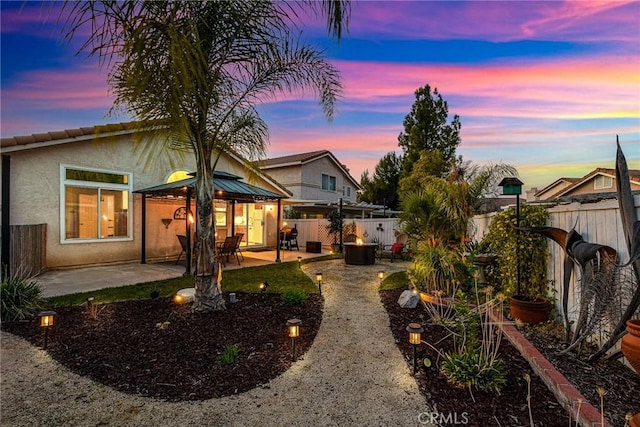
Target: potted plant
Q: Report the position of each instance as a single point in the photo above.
(522, 262)
(335, 229)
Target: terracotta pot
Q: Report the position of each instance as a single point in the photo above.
(635, 420)
(631, 344)
(529, 310)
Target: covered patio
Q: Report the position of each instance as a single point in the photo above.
(228, 188)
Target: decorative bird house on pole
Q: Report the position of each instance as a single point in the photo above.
(513, 186)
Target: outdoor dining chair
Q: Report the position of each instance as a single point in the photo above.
(227, 249)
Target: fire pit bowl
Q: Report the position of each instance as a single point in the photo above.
(363, 254)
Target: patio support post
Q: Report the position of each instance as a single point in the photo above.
(143, 251)
(188, 228)
(278, 231)
(6, 224)
(233, 217)
(341, 226)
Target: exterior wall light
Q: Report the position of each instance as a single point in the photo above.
(47, 321)
(293, 327)
(415, 330)
(166, 222)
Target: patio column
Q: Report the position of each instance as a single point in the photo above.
(278, 231)
(188, 229)
(143, 254)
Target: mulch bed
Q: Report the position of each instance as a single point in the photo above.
(158, 349)
(483, 408)
(622, 385)
(130, 347)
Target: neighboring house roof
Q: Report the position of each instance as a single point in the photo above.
(634, 177)
(303, 158)
(556, 186)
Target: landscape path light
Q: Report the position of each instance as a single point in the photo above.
(319, 280)
(47, 321)
(415, 330)
(91, 308)
(293, 327)
(381, 275)
(299, 262)
(263, 286)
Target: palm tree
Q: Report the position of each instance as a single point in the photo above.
(194, 71)
(436, 215)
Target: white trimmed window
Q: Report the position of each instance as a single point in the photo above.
(94, 205)
(346, 191)
(601, 182)
(328, 182)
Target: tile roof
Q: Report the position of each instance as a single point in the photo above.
(24, 141)
(294, 158)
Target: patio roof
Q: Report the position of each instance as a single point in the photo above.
(227, 187)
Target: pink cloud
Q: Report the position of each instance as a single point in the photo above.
(572, 88)
(81, 87)
(497, 21)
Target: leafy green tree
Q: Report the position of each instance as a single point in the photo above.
(426, 128)
(195, 70)
(382, 188)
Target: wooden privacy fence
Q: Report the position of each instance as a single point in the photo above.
(596, 222)
(27, 249)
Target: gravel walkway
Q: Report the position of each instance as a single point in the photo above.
(353, 375)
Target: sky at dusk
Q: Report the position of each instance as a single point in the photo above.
(544, 86)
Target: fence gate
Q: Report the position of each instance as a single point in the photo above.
(27, 249)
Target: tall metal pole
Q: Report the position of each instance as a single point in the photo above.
(341, 224)
(518, 239)
(188, 253)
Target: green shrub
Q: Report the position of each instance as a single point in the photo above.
(473, 369)
(294, 297)
(229, 355)
(19, 298)
(532, 252)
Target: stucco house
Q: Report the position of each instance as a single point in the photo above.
(317, 182)
(87, 189)
(598, 184)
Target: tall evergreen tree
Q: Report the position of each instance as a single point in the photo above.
(382, 188)
(426, 127)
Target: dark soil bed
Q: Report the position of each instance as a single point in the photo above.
(158, 349)
(621, 384)
(483, 409)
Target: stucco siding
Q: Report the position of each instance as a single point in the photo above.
(35, 194)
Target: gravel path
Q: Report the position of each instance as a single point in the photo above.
(353, 375)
